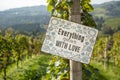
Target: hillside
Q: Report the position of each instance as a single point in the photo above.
(108, 9)
(108, 14)
(24, 18)
(21, 57)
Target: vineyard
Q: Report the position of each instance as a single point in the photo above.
(21, 57)
(104, 65)
(15, 49)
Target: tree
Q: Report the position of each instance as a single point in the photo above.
(6, 46)
(115, 51)
(99, 21)
(107, 30)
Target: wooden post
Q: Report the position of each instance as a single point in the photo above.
(75, 67)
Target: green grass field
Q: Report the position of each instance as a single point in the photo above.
(110, 73)
(31, 69)
(35, 68)
(113, 22)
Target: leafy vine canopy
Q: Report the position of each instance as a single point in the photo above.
(60, 8)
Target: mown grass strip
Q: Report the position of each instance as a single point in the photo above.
(31, 69)
(110, 72)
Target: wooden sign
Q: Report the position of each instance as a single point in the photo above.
(69, 40)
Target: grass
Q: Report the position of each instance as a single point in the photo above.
(110, 73)
(35, 68)
(100, 12)
(31, 69)
(113, 22)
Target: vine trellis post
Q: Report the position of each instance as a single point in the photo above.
(74, 16)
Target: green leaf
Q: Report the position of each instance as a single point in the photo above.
(50, 8)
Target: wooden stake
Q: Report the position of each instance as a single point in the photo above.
(75, 67)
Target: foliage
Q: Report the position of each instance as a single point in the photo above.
(111, 73)
(26, 19)
(32, 69)
(113, 7)
(99, 22)
(104, 47)
(15, 49)
(115, 51)
(107, 17)
(22, 51)
(108, 49)
(113, 22)
(58, 69)
(107, 30)
(91, 73)
(61, 8)
(107, 10)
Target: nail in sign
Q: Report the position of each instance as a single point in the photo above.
(69, 40)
